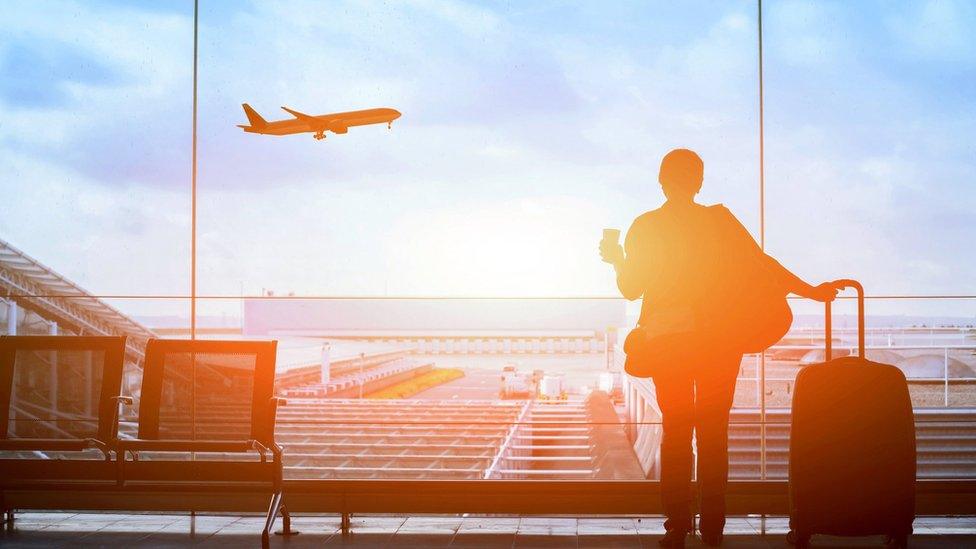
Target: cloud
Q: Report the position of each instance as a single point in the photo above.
(45, 74)
(500, 103)
(939, 31)
(105, 239)
(808, 34)
(100, 91)
(450, 67)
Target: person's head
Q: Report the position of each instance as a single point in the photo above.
(681, 175)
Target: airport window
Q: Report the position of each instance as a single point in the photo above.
(440, 306)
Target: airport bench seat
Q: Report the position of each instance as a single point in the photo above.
(216, 472)
(185, 384)
(58, 395)
(197, 397)
(56, 445)
(242, 446)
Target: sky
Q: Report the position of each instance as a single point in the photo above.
(526, 129)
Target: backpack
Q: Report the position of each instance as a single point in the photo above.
(743, 309)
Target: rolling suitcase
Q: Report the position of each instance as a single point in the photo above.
(852, 446)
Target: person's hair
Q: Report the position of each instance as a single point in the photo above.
(682, 170)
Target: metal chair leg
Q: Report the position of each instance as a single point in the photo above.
(273, 509)
(286, 523)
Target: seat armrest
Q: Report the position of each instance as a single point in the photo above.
(144, 445)
(123, 399)
(277, 451)
(104, 447)
(55, 445)
(260, 448)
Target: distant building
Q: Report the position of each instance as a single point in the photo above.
(436, 326)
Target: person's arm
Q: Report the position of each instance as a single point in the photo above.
(823, 292)
(791, 282)
(628, 262)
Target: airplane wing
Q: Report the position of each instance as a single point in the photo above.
(312, 121)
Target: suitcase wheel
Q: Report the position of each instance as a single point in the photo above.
(798, 540)
(897, 541)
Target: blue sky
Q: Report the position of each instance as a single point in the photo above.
(527, 128)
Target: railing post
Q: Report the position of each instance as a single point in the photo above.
(11, 317)
(756, 380)
(90, 403)
(761, 384)
(52, 329)
(945, 375)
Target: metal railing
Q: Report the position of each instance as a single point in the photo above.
(945, 378)
(643, 419)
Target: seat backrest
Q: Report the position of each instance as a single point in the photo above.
(60, 387)
(208, 390)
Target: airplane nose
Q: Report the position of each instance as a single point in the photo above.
(395, 114)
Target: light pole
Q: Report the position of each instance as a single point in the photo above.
(362, 380)
(193, 184)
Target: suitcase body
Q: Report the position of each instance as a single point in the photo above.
(852, 448)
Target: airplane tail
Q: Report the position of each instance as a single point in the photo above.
(253, 117)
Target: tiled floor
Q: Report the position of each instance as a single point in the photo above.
(143, 530)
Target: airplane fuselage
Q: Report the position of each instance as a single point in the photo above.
(339, 122)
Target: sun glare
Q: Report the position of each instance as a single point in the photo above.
(541, 246)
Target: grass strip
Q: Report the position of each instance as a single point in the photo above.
(410, 387)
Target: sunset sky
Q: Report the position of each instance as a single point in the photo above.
(526, 129)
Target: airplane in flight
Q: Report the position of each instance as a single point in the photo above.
(337, 122)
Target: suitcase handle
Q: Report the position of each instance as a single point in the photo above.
(828, 329)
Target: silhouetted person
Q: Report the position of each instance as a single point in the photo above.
(679, 258)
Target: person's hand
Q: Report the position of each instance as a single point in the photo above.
(611, 252)
(824, 292)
